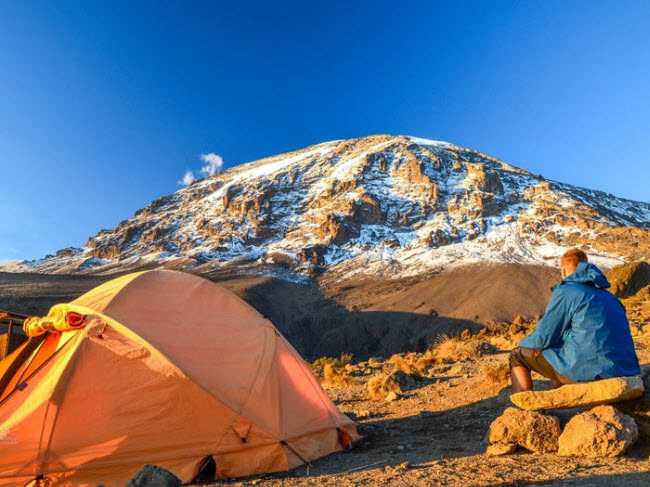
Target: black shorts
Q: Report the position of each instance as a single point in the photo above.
(534, 360)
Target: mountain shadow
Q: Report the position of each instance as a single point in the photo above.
(318, 326)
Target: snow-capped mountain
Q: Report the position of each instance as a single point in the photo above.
(380, 205)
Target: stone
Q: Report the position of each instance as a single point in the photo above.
(501, 449)
(600, 432)
(604, 391)
(639, 408)
(363, 414)
(531, 430)
(405, 381)
(152, 476)
(391, 396)
(376, 361)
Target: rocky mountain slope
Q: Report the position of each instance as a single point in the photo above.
(378, 205)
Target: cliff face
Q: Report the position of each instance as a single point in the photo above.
(399, 206)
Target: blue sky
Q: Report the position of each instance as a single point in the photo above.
(105, 105)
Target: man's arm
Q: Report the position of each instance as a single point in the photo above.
(552, 326)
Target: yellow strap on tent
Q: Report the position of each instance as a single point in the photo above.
(60, 318)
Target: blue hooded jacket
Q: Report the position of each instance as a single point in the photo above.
(584, 333)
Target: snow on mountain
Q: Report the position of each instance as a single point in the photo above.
(377, 205)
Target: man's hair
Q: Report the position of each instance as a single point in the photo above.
(573, 257)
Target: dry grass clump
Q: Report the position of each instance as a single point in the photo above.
(401, 364)
(506, 342)
(336, 377)
(333, 372)
(496, 374)
(427, 359)
(506, 336)
(380, 385)
(397, 381)
(343, 360)
(448, 348)
(452, 349)
(407, 364)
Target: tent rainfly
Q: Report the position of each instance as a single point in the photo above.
(164, 368)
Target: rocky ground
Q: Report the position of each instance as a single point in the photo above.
(434, 434)
(433, 431)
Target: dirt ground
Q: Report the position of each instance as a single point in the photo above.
(434, 436)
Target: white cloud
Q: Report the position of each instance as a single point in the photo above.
(212, 164)
(188, 179)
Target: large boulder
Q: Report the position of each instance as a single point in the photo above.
(533, 431)
(601, 432)
(629, 279)
(639, 408)
(152, 476)
(604, 391)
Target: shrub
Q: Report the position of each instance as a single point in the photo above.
(401, 364)
(412, 369)
(451, 349)
(342, 361)
(331, 372)
(380, 385)
(336, 377)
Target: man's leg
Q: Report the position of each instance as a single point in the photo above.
(523, 361)
(520, 371)
(521, 379)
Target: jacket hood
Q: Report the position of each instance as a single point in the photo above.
(587, 273)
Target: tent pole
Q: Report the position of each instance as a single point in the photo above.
(7, 343)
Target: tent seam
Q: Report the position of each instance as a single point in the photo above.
(253, 385)
(293, 354)
(41, 454)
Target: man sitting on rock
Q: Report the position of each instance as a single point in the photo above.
(584, 334)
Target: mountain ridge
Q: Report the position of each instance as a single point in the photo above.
(390, 205)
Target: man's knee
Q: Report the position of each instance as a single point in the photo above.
(517, 359)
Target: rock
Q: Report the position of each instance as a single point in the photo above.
(639, 408)
(501, 449)
(601, 432)
(583, 394)
(391, 396)
(152, 476)
(363, 414)
(405, 381)
(457, 370)
(376, 361)
(313, 253)
(531, 430)
(397, 468)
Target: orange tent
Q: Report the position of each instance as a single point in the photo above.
(165, 368)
